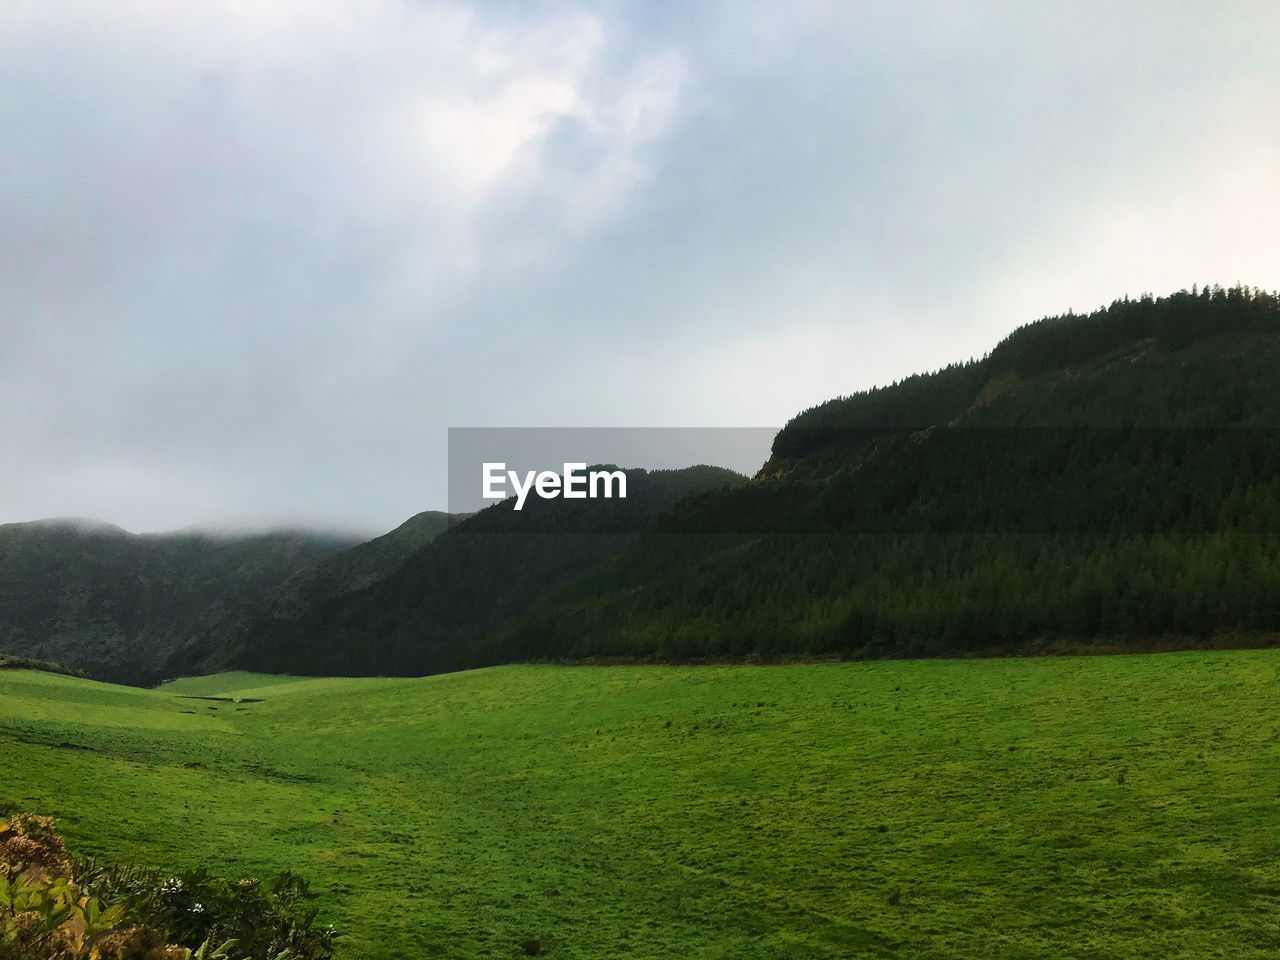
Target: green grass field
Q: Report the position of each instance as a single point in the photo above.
(1102, 807)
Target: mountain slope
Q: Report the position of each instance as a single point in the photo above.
(1104, 480)
(357, 567)
(124, 606)
(431, 614)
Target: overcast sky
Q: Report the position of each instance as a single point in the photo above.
(257, 258)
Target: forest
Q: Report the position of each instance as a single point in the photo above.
(1107, 481)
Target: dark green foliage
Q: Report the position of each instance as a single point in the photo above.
(1105, 479)
(1102, 479)
(264, 919)
(54, 908)
(835, 433)
(431, 615)
(8, 662)
(1109, 479)
(137, 609)
(131, 607)
(359, 566)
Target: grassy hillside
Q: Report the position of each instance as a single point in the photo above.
(1099, 807)
(233, 683)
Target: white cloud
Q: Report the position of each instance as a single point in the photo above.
(1209, 216)
(325, 115)
(265, 253)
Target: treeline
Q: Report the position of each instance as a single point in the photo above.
(917, 595)
(827, 436)
(10, 662)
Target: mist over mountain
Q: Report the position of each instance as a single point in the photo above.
(136, 608)
(127, 606)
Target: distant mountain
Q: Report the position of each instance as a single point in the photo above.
(1106, 481)
(434, 612)
(357, 567)
(136, 608)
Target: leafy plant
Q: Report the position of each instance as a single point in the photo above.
(46, 914)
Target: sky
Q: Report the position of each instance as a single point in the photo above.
(256, 259)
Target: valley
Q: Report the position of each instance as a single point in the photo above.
(941, 808)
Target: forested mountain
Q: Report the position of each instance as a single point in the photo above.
(431, 615)
(125, 606)
(357, 567)
(1106, 480)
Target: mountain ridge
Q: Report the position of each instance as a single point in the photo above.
(1106, 480)
(135, 607)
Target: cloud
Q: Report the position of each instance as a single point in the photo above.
(255, 259)
(228, 219)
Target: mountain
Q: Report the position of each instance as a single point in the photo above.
(357, 567)
(432, 614)
(124, 606)
(1098, 482)
(1109, 481)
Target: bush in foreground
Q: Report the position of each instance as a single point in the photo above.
(54, 908)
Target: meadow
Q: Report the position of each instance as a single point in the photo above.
(1101, 807)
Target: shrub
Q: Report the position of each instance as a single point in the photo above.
(51, 908)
